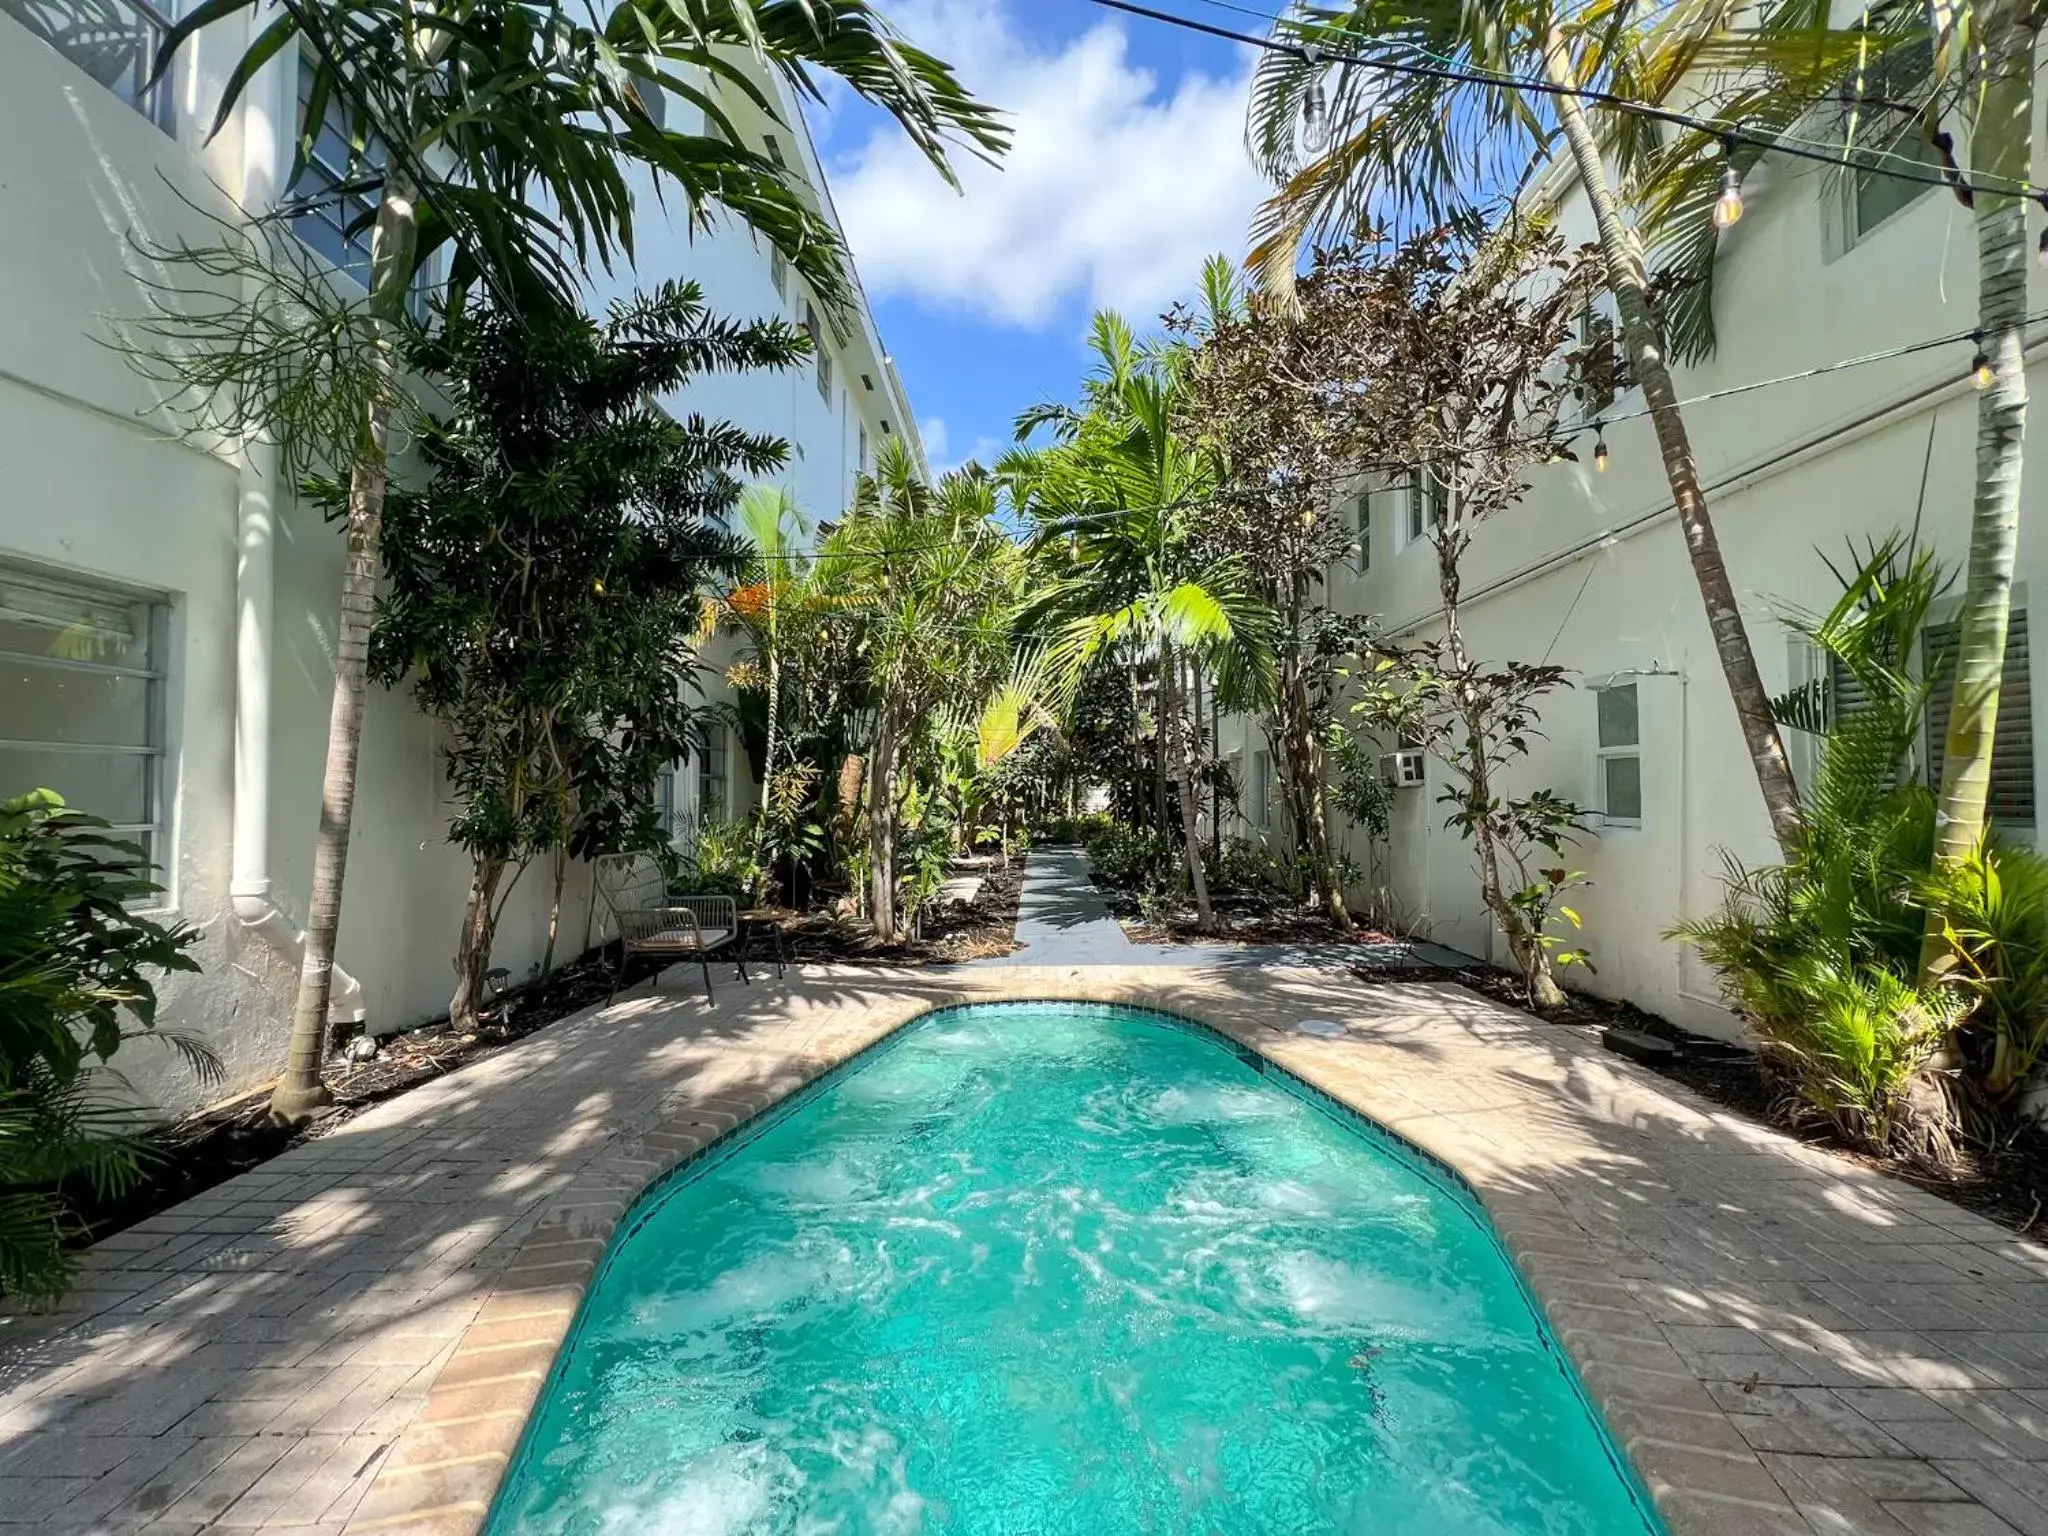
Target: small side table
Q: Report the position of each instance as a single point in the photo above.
(769, 921)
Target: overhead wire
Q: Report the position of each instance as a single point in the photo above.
(1721, 129)
(1560, 436)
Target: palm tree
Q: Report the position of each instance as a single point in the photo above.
(1973, 62)
(1427, 148)
(1116, 497)
(503, 129)
(929, 583)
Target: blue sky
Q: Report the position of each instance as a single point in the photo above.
(1128, 168)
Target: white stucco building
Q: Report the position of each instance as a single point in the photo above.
(1591, 571)
(167, 618)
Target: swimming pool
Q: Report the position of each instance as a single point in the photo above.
(1055, 1268)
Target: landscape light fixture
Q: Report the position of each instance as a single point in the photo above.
(1315, 106)
(1728, 206)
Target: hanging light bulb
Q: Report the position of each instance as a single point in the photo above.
(1728, 206)
(1315, 106)
(1982, 374)
(1599, 449)
(2044, 233)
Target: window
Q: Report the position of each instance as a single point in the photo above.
(334, 222)
(1872, 196)
(778, 271)
(81, 699)
(114, 41)
(2012, 747)
(1424, 501)
(772, 146)
(816, 331)
(1262, 789)
(1620, 755)
(711, 774)
(1365, 533)
(861, 463)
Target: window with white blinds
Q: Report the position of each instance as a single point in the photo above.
(2012, 747)
(81, 699)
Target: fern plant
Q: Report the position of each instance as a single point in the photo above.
(75, 985)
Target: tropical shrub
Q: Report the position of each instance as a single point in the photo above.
(1135, 859)
(1994, 908)
(722, 862)
(74, 964)
(1819, 953)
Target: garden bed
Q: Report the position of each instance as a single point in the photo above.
(192, 1155)
(1244, 918)
(2007, 1184)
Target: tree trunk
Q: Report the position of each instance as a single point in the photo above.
(1530, 956)
(1999, 153)
(1625, 277)
(473, 951)
(547, 959)
(300, 1093)
(1171, 740)
(882, 824)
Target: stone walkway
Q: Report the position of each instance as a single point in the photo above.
(349, 1338)
(1062, 920)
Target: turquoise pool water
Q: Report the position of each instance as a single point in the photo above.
(1047, 1269)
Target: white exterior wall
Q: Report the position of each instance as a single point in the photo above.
(1591, 573)
(91, 485)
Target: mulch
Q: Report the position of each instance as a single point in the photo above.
(192, 1155)
(2005, 1181)
(1245, 918)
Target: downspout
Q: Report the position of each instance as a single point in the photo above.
(263, 115)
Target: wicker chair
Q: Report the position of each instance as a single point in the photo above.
(652, 922)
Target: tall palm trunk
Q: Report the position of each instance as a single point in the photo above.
(1625, 277)
(882, 820)
(1172, 742)
(1999, 153)
(300, 1093)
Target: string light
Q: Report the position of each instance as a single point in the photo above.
(1599, 448)
(1770, 142)
(1728, 207)
(2044, 233)
(1982, 374)
(1315, 107)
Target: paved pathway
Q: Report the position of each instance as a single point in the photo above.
(1062, 920)
(350, 1337)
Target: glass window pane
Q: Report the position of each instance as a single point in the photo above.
(41, 617)
(1624, 785)
(1618, 725)
(115, 785)
(45, 703)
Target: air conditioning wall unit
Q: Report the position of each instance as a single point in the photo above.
(1404, 769)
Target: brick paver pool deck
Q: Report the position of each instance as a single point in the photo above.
(349, 1338)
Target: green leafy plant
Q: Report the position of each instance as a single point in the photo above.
(1819, 953)
(74, 987)
(723, 861)
(1994, 913)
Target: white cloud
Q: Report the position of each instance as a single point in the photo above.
(1115, 188)
(938, 447)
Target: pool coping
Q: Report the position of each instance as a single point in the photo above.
(445, 1469)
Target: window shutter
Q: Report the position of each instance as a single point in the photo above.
(2012, 747)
